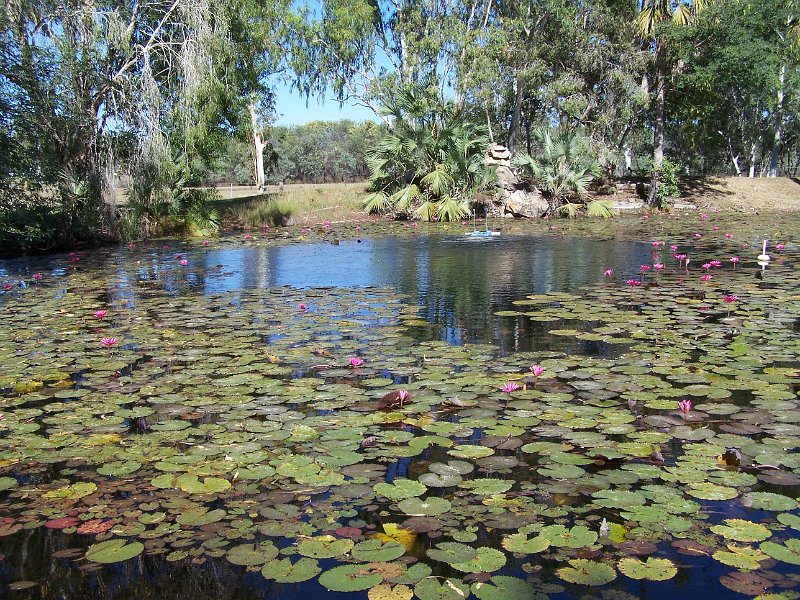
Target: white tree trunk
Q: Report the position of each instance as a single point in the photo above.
(776, 144)
(259, 149)
(752, 172)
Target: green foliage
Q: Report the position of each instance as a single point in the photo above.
(562, 170)
(669, 177)
(161, 203)
(429, 164)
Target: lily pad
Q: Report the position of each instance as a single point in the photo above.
(113, 551)
(654, 569)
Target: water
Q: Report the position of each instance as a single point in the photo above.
(455, 286)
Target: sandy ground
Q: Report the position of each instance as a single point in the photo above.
(742, 194)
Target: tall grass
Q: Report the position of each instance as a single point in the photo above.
(296, 204)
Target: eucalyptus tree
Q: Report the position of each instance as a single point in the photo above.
(362, 50)
(731, 98)
(112, 85)
(654, 14)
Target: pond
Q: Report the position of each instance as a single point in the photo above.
(389, 412)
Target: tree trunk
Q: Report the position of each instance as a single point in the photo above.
(776, 144)
(513, 132)
(658, 132)
(259, 149)
(752, 172)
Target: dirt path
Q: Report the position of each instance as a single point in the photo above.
(742, 194)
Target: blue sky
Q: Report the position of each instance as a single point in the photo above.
(291, 108)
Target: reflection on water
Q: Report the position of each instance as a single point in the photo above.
(460, 282)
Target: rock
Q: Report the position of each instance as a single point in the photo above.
(526, 204)
(506, 178)
(498, 155)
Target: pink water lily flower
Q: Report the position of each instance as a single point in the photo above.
(780, 246)
(706, 266)
(108, 342)
(608, 272)
(356, 361)
(658, 266)
(728, 298)
(706, 277)
(715, 228)
(685, 406)
(673, 248)
(302, 307)
(698, 235)
(633, 282)
(716, 263)
(184, 262)
(37, 276)
(510, 387)
(644, 267)
(734, 260)
(100, 314)
(537, 370)
(7, 285)
(729, 236)
(205, 242)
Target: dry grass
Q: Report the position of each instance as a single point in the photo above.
(301, 204)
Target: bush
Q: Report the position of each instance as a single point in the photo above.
(430, 164)
(669, 180)
(562, 170)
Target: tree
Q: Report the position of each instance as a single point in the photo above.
(113, 86)
(430, 162)
(653, 14)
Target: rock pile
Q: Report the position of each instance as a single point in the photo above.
(514, 198)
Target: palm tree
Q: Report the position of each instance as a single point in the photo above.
(652, 14)
(563, 170)
(430, 162)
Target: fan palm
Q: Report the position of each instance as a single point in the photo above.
(430, 163)
(563, 170)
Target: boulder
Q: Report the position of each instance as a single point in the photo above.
(506, 178)
(521, 203)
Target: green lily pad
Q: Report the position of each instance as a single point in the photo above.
(251, 554)
(502, 587)
(486, 561)
(350, 578)
(376, 550)
(447, 589)
(521, 544)
(740, 530)
(452, 552)
(788, 552)
(72, 492)
(113, 551)
(769, 501)
(741, 557)
(487, 487)
(431, 506)
(654, 569)
(400, 489)
(283, 570)
(324, 547)
(587, 572)
(710, 491)
(579, 536)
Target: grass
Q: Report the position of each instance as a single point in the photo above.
(300, 204)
